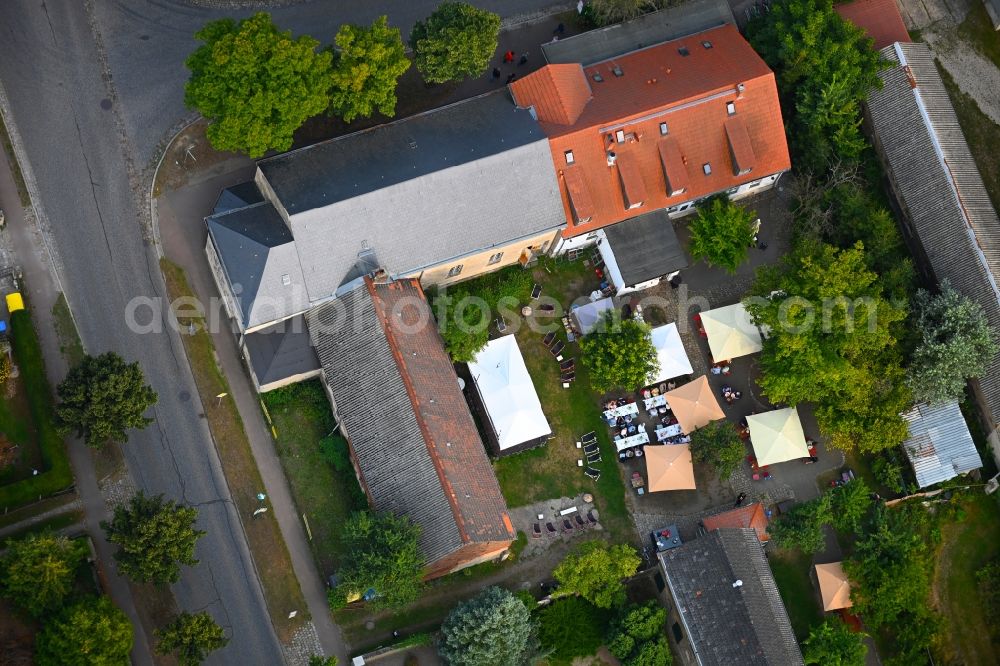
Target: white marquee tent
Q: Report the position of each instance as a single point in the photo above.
(670, 353)
(507, 393)
(589, 315)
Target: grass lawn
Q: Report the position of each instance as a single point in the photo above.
(551, 471)
(967, 546)
(69, 340)
(791, 572)
(981, 133)
(270, 554)
(301, 417)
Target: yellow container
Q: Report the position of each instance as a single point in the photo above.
(14, 302)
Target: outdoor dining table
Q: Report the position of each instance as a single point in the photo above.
(624, 410)
(666, 432)
(655, 401)
(637, 439)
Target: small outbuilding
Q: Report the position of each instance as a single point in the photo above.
(507, 397)
(641, 251)
(940, 446)
(752, 515)
(587, 317)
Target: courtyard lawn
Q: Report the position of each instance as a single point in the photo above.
(551, 471)
(791, 570)
(967, 546)
(325, 496)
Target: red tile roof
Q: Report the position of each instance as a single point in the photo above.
(559, 93)
(642, 94)
(880, 19)
(451, 436)
(751, 515)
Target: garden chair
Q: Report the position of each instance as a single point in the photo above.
(568, 364)
(595, 474)
(536, 531)
(568, 376)
(536, 291)
(580, 522)
(589, 438)
(549, 338)
(591, 449)
(501, 325)
(567, 526)
(595, 458)
(557, 348)
(550, 529)
(590, 517)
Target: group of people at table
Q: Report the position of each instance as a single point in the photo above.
(622, 416)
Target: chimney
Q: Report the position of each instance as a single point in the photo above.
(740, 87)
(611, 158)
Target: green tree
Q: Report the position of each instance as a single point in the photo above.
(889, 473)
(956, 343)
(37, 571)
(833, 342)
(849, 505)
(155, 537)
(368, 62)
(825, 67)
(191, 638)
(834, 644)
(619, 353)
(256, 84)
(385, 557)
(317, 660)
(456, 41)
(492, 628)
(463, 322)
(719, 445)
(722, 233)
(571, 627)
(596, 572)
(101, 397)
(608, 12)
(92, 632)
(802, 527)
(636, 637)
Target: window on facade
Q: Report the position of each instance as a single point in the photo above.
(732, 190)
(495, 259)
(455, 270)
(754, 184)
(707, 168)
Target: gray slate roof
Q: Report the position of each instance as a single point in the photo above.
(730, 625)
(939, 446)
(671, 23)
(646, 247)
(237, 196)
(281, 351)
(939, 185)
(418, 191)
(259, 258)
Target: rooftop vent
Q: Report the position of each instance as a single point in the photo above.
(707, 168)
(286, 279)
(617, 71)
(740, 87)
(620, 136)
(707, 44)
(684, 51)
(731, 108)
(413, 143)
(597, 77)
(569, 157)
(611, 158)
(664, 130)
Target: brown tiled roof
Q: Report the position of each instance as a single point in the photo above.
(658, 88)
(633, 188)
(880, 19)
(673, 166)
(580, 201)
(740, 147)
(751, 515)
(559, 93)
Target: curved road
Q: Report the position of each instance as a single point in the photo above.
(93, 89)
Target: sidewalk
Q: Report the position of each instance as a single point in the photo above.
(42, 292)
(182, 235)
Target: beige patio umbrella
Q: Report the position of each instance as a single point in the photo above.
(834, 586)
(731, 332)
(777, 436)
(694, 404)
(669, 467)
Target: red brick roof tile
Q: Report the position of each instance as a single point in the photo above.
(740, 148)
(880, 19)
(559, 93)
(751, 515)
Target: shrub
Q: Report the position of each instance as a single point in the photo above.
(492, 628)
(636, 637)
(571, 627)
(619, 353)
(719, 445)
(722, 233)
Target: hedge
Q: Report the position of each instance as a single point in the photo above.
(56, 474)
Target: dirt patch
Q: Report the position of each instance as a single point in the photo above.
(188, 157)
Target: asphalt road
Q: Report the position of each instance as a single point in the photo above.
(93, 90)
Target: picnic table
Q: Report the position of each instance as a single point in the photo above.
(624, 410)
(637, 439)
(665, 432)
(655, 401)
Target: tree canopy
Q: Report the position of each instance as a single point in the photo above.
(155, 537)
(619, 353)
(802, 526)
(606, 12)
(956, 343)
(492, 628)
(833, 342)
(571, 627)
(101, 397)
(719, 445)
(849, 505)
(722, 233)
(256, 84)
(596, 572)
(834, 644)
(92, 632)
(37, 571)
(824, 67)
(368, 62)
(636, 637)
(191, 637)
(456, 41)
(384, 557)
